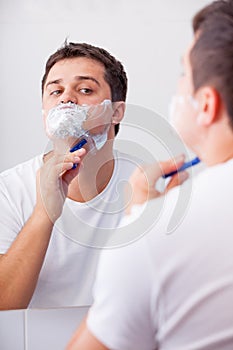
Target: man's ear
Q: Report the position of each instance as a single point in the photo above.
(118, 112)
(209, 104)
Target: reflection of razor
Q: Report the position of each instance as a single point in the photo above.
(184, 166)
(78, 145)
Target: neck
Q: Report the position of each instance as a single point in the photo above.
(93, 177)
(95, 173)
(218, 145)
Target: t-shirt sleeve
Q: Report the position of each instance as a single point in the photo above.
(121, 313)
(9, 223)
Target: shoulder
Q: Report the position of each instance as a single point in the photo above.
(28, 167)
(128, 257)
(22, 176)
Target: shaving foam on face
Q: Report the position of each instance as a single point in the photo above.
(90, 121)
(66, 120)
(177, 101)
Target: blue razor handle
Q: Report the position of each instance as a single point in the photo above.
(78, 145)
(183, 167)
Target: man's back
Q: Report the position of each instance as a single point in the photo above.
(195, 265)
(182, 281)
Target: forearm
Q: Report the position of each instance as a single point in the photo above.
(21, 265)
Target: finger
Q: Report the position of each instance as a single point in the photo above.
(177, 180)
(80, 152)
(72, 156)
(56, 170)
(70, 174)
(147, 175)
(59, 157)
(62, 163)
(172, 164)
(77, 157)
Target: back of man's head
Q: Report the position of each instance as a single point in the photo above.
(212, 55)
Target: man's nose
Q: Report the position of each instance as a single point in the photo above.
(68, 97)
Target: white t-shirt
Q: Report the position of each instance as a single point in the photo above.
(172, 291)
(68, 271)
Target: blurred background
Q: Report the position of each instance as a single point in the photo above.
(148, 37)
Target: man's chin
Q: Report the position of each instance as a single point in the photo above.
(64, 144)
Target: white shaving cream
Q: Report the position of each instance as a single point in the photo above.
(71, 120)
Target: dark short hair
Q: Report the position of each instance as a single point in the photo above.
(212, 54)
(114, 74)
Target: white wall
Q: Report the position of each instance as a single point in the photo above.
(34, 329)
(147, 36)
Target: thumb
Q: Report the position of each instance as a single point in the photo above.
(177, 180)
(172, 164)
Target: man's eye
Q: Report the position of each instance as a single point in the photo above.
(86, 91)
(55, 92)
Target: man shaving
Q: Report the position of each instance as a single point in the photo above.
(58, 208)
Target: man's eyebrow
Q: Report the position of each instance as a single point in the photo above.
(79, 78)
(87, 77)
(56, 81)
